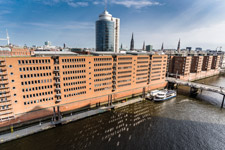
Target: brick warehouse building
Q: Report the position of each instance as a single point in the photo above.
(31, 86)
(193, 67)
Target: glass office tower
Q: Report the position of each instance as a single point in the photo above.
(105, 33)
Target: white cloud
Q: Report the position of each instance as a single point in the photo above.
(72, 3)
(73, 25)
(135, 3)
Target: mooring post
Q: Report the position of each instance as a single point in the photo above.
(59, 116)
(223, 101)
(54, 115)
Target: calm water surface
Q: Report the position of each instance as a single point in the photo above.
(181, 123)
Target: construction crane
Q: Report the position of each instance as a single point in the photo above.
(7, 37)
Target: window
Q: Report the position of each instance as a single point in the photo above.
(10, 66)
(11, 73)
(15, 101)
(13, 81)
(14, 87)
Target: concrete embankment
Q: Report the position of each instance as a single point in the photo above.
(45, 126)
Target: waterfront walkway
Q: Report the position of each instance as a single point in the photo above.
(45, 126)
(216, 89)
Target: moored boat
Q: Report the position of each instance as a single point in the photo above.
(164, 95)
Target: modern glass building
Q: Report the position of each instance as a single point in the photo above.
(105, 33)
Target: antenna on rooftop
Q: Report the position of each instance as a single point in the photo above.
(105, 5)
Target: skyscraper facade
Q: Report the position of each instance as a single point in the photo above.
(107, 33)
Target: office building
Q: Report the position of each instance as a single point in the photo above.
(149, 48)
(30, 87)
(107, 33)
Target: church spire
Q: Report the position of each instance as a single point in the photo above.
(143, 46)
(132, 42)
(178, 47)
(162, 48)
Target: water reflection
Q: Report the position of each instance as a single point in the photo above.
(180, 123)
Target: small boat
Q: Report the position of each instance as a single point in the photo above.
(152, 94)
(164, 95)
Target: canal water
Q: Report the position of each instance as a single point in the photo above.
(180, 123)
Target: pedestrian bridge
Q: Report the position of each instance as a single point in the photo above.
(211, 88)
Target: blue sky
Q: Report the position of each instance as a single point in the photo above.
(199, 23)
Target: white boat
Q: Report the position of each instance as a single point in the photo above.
(164, 95)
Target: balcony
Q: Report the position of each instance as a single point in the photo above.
(56, 70)
(5, 95)
(4, 82)
(4, 101)
(3, 69)
(2, 88)
(3, 73)
(58, 100)
(4, 104)
(2, 60)
(6, 113)
(56, 77)
(58, 94)
(57, 83)
(58, 89)
(1, 79)
(6, 109)
(2, 65)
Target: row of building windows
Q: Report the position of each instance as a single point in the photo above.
(141, 78)
(102, 89)
(156, 72)
(103, 69)
(73, 66)
(141, 74)
(129, 67)
(142, 62)
(143, 58)
(74, 71)
(125, 58)
(75, 94)
(156, 68)
(123, 72)
(37, 101)
(103, 64)
(127, 76)
(143, 66)
(155, 79)
(37, 88)
(102, 59)
(73, 60)
(103, 84)
(102, 79)
(74, 77)
(28, 62)
(36, 82)
(122, 85)
(35, 68)
(37, 94)
(74, 83)
(75, 88)
(102, 74)
(124, 63)
(121, 81)
(142, 70)
(145, 81)
(4, 107)
(35, 75)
